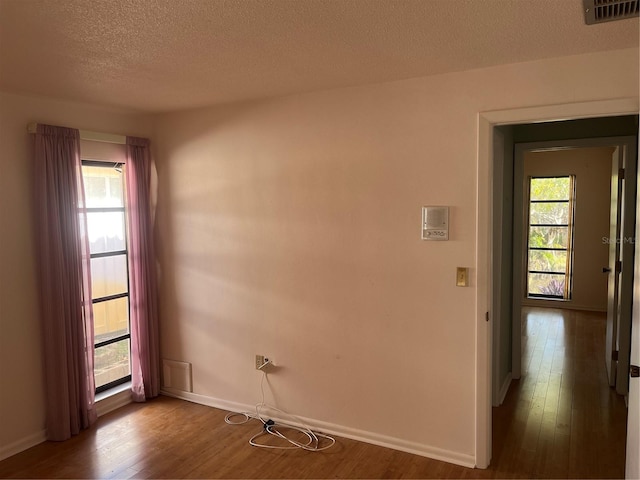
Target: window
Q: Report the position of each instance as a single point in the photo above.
(105, 202)
(550, 237)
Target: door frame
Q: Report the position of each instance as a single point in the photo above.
(484, 242)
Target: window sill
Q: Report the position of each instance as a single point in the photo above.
(112, 399)
(550, 299)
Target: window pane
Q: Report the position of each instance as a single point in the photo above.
(108, 276)
(548, 237)
(111, 362)
(546, 284)
(95, 188)
(550, 203)
(548, 261)
(102, 186)
(550, 188)
(110, 319)
(549, 213)
(115, 187)
(106, 231)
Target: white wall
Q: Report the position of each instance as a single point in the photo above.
(21, 389)
(291, 228)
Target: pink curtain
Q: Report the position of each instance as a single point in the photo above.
(143, 297)
(64, 282)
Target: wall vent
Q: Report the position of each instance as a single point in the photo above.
(600, 11)
(177, 375)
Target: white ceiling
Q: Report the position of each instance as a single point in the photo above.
(161, 55)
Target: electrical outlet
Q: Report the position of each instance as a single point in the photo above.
(259, 361)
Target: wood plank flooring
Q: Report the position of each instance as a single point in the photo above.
(560, 420)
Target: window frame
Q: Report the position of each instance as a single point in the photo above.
(568, 272)
(114, 253)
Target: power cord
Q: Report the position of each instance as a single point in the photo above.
(271, 427)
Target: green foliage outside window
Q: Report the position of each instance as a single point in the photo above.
(550, 215)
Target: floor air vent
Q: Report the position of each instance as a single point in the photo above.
(177, 375)
(599, 11)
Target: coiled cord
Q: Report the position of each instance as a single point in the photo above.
(270, 427)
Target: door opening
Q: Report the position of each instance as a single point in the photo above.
(505, 363)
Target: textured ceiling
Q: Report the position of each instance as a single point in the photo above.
(160, 55)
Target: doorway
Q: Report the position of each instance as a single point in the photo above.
(588, 162)
(491, 231)
(560, 411)
(522, 152)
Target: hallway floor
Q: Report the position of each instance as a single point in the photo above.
(561, 419)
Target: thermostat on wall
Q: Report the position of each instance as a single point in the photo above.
(435, 223)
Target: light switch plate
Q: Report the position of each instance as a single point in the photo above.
(462, 277)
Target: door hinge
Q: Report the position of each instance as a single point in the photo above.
(618, 266)
(621, 173)
(634, 371)
(486, 316)
(614, 355)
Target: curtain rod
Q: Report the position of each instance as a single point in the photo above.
(92, 136)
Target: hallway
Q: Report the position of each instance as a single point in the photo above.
(561, 419)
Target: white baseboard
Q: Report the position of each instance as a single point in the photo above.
(333, 429)
(25, 443)
(103, 406)
(504, 389)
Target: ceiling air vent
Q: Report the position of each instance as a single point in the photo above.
(599, 11)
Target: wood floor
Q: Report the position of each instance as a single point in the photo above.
(560, 420)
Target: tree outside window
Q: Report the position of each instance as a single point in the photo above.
(550, 237)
